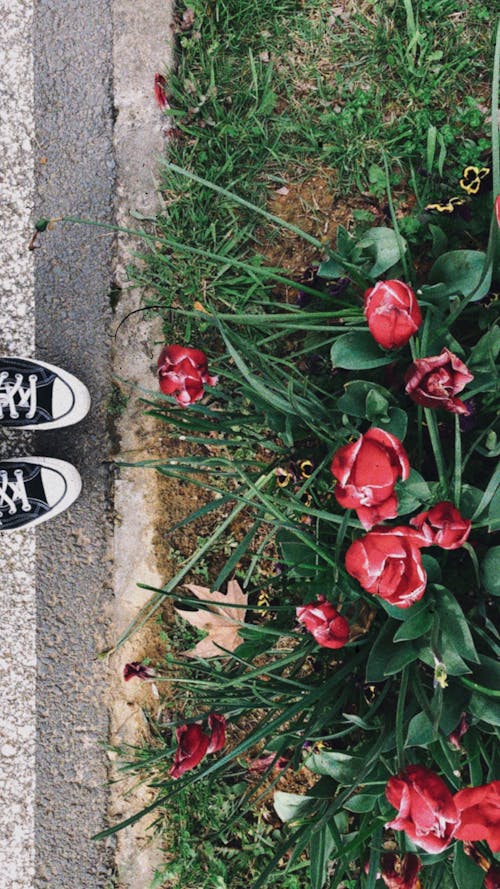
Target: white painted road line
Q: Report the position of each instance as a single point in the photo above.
(17, 551)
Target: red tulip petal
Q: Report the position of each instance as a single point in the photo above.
(218, 732)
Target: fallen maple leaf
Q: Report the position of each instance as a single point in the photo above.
(216, 619)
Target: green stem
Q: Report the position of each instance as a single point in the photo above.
(375, 849)
(256, 271)
(489, 692)
(400, 712)
(472, 553)
(340, 539)
(457, 472)
(402, 249)
(490, 492)
(425, 332)
(420, 445)
(436, 447)
(495, 133)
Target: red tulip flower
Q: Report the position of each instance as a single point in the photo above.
(325, 624)
(182, 372)
(193, 744)
(160, 91)
(387, 563)
(400, 873)
(479, 810)
(497, 209)
(435, 381)
(426, 808)
(136, 670)
(457, 734)
(392, 312)
(217, 738)
(367, 471)
(443, 526)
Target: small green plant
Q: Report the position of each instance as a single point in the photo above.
(216, 850)
(117, 401)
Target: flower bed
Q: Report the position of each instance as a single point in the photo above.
(356, 432)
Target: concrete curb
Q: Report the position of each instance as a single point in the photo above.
(142, 47)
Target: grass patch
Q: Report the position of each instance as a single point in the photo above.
(212, 851)
(272, 93)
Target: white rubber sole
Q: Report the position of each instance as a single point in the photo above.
(62, 498)
(81, 394)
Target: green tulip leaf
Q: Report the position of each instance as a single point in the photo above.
(404, 654)
(289, 806)
(490, 571)
(331, 269)
(377, 658)
(485, 353)
(384, 247)
(396, 424)
(485, 708)
(487, 675)
(344, 768)
(358, 351)
(417, 624)
(362, 802)
(494, 512)
(321, 846)
(356, 394)
(376, 407)
(470, 499)
(412, 493)
(420, 731)
(467, 874)
(461, 272)
(456, 635)
(432, 568)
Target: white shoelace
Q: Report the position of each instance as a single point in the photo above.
(17, 492)
(25, 397)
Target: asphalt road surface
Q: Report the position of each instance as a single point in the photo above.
(74, 175)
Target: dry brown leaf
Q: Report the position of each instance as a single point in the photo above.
(220, 622)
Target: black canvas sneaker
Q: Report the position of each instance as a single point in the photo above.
(34, 489)
(37, 395)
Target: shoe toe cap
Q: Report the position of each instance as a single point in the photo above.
(62, 399)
